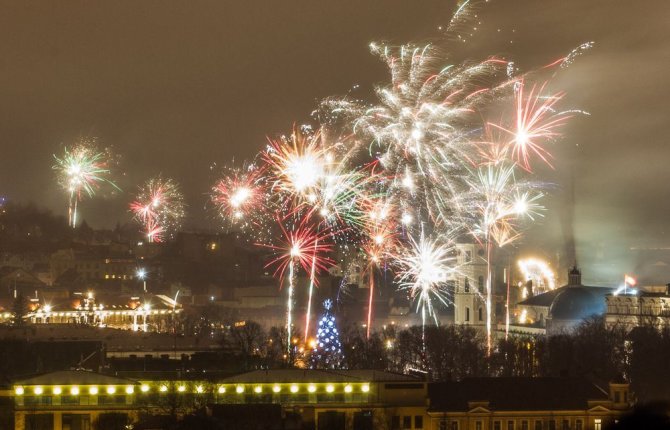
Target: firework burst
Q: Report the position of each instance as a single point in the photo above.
(239, 194)
(423, 271)
(81, 170)
(535, 122)
(159, 207)
(297, 163)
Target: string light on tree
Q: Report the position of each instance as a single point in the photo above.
(327, 352)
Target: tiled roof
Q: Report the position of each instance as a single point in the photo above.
(514, 394)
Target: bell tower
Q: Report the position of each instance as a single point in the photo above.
(469, 286)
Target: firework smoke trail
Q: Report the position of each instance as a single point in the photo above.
(423, 271)
(159, 208)
(81, 170)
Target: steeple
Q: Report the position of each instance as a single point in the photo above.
(574, 277)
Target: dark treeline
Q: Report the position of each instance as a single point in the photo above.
(593, 351)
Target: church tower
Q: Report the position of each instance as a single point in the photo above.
(469, 286)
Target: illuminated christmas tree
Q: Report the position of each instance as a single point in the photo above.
(327, 352)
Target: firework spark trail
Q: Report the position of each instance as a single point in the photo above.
(498, 203)
(81, 170)
(538, 271)
(312, 282)
(305, 247)
(382, 240)
(159, 208)
(423, 271)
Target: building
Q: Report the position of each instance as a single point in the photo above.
(71, 399)
(562, 309)
(525, 404)
(344, 399)
(636, 308)
(16, 280)
(469, 286)
(148, 312)
(321, 399)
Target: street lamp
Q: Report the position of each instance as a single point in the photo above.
(142, 275)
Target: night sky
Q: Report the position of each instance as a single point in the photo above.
(177, 86)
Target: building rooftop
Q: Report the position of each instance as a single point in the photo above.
(312, 375)
(74, 377)
(514, 394)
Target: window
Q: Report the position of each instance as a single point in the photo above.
(478, 425)
(597, 424)
(406, 422)
(565, 425)
(480, 283)
(40, 421)
(418, 422)
(579, 425)
(524, 425)
(395, 422)
(443, 424)
(510, 425)
(76, 422)
(538, 425)
(454, 425)
(466, 286)
(552, 425)
(467, 314)
(617, 397)
(481, 315)
(497, 425)
(468, 256)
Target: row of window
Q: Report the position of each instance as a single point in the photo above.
(71, 400)
(557, 424)
(480, 313)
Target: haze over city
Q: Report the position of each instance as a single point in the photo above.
(176, 89)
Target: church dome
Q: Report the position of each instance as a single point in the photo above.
(576, 303)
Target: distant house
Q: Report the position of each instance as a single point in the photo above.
(19, 279)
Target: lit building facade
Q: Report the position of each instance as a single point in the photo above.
(338, 400)
(345, 399)
(525, 404)
(638, 308)
(469, 286)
